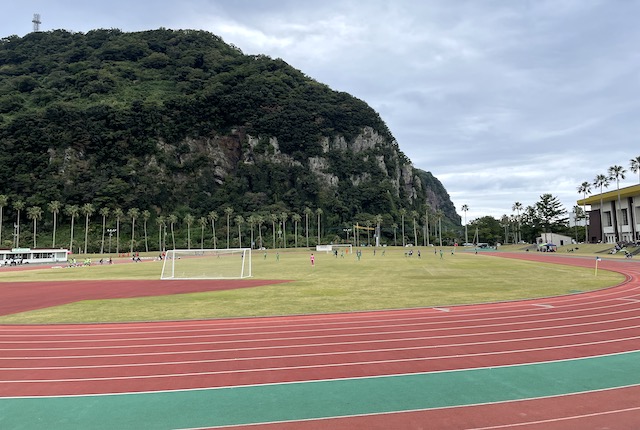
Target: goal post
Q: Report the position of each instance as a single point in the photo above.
(234, 263)
(333, 247)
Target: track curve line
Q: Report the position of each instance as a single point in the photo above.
(496, 365)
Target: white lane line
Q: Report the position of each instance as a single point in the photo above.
(318, 366)
(293, 347)
(130, 342)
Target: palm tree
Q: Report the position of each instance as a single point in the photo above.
(160, 222)
(394, 226)
(18, 205)
(213, 217)
(319, 212)
(34, 213)
(72, 211)
(465, 209)
(239, 220)
(617, 173)
(414, 216)
(283, 217)
(145, 217)
(259, 221)
(87, 209)
(584, 189)
(427, 210)
(274, 220)
(172, 220)
(251, 219)
(403, 212)
(203, 223)
(601, 181)
(133, 213)
(296, 219)
(307, 212)
(228, 210)
(517, 206)
(104, 212)
(54, 207)
(119, 213)
(635, 166)
(188, 219)
(439, 216)
(3, 202)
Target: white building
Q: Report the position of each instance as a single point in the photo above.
(554, 238)
(614, 215)
(32, 256)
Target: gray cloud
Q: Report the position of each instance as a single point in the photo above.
(503, 101)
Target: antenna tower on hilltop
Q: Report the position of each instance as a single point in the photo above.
(36, 22)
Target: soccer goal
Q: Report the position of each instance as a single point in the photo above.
(232, 263)
(348, 248)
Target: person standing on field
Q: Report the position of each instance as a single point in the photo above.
(313, 260)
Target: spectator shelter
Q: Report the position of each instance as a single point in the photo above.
(17, 256)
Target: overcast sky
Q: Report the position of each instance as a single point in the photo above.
(502, 100)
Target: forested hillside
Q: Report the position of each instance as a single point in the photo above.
(181, 123)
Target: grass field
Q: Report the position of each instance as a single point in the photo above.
(333, 285)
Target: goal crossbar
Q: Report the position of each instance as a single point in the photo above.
(233, 263)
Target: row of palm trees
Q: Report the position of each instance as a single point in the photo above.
(614, 173)
(166, 225)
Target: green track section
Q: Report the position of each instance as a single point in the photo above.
(309, 400)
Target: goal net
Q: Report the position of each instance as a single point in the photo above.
(232, 263)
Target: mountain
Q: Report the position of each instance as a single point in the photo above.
(178, 121)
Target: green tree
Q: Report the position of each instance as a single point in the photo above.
(189, 219)
(172, 221)
(87, 210)
(617, 173)
(319, 212)
(394, 226)
(517, 207)
(118, 213)
(414, 217)
(307, 212)
(161, 223)
(34, 213)
(239, 220)
(296, 220)
(551, 212)
(251, 219)
(601, 181)
(274, 220)
(283, 217)
(4, 200)
(635, 166)
(54, 207)
(72, 211)
(228, 211)
(145, 218)
(260, 221)
(133, 213)
(584, 189)
(18, 205)
(203, 223)
(104, 212)
(402, 213)
(213, 217)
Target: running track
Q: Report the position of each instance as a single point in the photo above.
(589, 342)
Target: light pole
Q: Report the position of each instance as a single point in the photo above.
(110, 231)
(347, 231)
